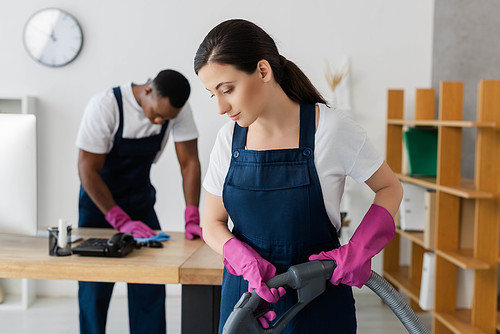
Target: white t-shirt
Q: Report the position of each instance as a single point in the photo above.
(101, 120)
(341, 148)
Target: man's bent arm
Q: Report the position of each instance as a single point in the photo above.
(89, 169)
(187, 154)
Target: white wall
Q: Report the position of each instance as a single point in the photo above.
(389, 44)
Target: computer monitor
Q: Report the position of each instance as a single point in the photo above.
(18, 179)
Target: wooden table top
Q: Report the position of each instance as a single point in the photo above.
(204, 267)
(28, 257)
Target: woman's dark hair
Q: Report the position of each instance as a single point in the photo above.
(243, 44)
(175, 86)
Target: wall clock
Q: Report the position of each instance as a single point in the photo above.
(53, 37)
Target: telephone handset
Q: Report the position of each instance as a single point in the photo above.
(120, 243)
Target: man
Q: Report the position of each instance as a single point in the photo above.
(123, 132)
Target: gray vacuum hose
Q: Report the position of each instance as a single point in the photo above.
(398, 305)
(309, 280)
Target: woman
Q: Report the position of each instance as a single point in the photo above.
(278, 171)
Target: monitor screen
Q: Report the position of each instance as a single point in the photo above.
(18, 179)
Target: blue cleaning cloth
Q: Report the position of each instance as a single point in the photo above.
(159, 237)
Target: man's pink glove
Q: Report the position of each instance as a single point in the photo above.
(117, 218)
(192, 226)
(354, 259)
(242, 260)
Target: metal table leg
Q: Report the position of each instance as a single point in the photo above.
(200, 309)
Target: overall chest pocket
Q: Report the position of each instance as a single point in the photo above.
(269, 176)
(139, 147)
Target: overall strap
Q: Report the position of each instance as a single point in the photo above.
(239, 137)
(118, 96)
(164, 128)
(307, 126)
(307, 129)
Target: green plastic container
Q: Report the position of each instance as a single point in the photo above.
(421, 146)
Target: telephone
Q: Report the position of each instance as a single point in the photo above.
(120, 244)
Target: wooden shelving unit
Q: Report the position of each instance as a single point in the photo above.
(450, 188)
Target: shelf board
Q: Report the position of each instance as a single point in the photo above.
(428, 182)
(460, 124)
(415, 237)
(463, 258)
(400, 279)
(458, 321)
(465, 190)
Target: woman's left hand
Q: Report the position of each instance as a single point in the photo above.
(354, 259)
(351, 269)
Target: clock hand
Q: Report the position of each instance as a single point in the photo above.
(51, 35)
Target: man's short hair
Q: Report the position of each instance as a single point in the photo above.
(175, 86)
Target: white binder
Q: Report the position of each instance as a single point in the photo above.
(426, 300)
(412, 208)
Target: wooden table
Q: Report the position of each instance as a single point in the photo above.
(204, 267)
(29, 258)
(188, 262)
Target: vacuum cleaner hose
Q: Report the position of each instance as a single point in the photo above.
(309, 280)
(398, 305)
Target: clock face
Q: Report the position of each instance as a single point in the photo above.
(53, 37)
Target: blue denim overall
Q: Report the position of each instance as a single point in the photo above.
(126, 173)
(275, 201)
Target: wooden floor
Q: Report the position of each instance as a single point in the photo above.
(60, 316)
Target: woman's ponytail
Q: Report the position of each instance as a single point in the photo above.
(296, 84)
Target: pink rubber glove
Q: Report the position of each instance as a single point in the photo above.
(192, 226)
(354, 259)
(242, 260)
(267, 317)
(117, 218)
